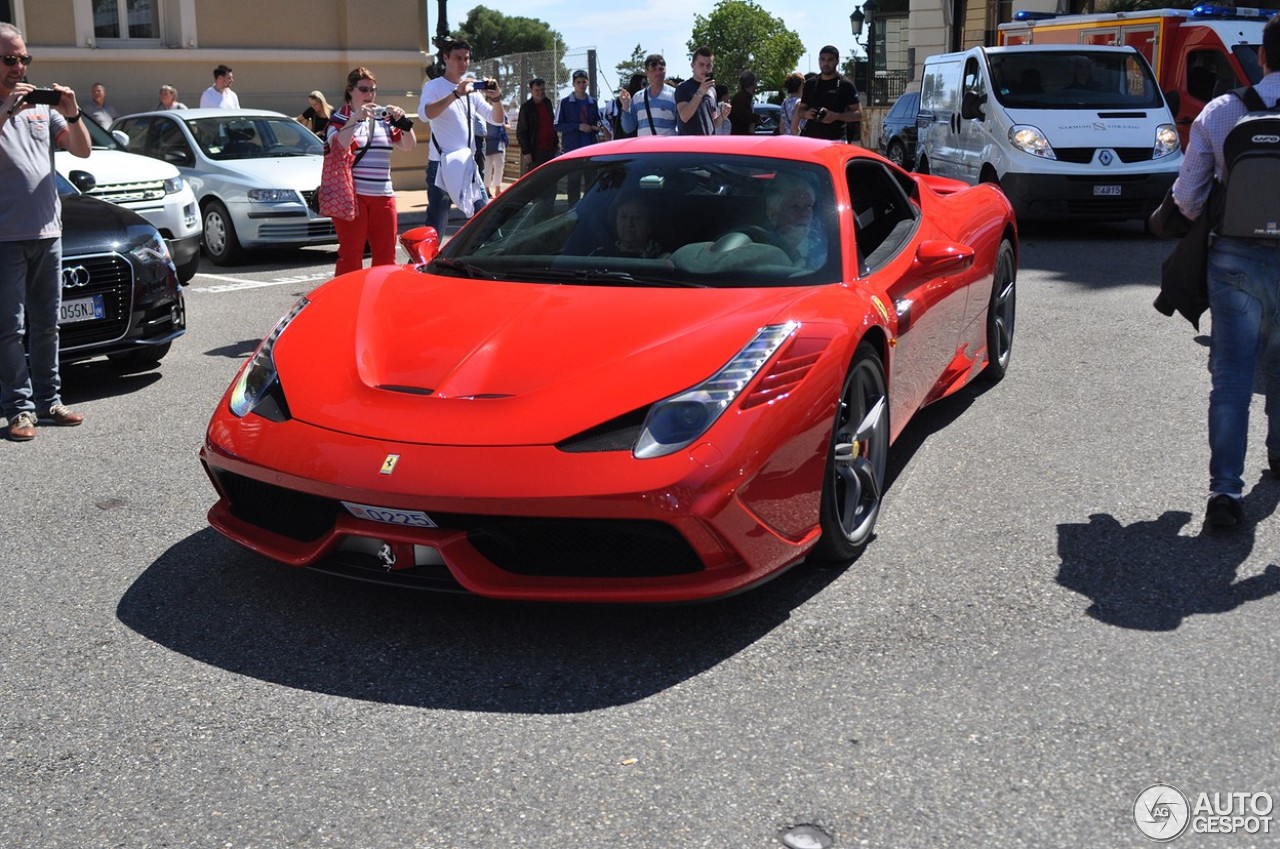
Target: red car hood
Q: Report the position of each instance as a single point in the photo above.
(398, 355)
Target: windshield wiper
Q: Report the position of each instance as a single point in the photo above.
(464, 269)
(601, 277)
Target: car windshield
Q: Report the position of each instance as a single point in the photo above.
(64, 185)
(100, 138)
(1074, 80)
(657, 219)
(253, 137)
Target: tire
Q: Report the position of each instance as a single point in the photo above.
(922, 167)
(897, 154)
(140, 358)
(1001, 312)
(189, 268)
(856, 461)
(220, 241)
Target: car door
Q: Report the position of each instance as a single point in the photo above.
(972, 131)
(940, 115)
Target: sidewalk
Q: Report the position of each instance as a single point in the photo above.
(411, 208)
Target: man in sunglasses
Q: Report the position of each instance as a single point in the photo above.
(31, 242)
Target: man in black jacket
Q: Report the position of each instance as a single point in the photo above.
(536, 128)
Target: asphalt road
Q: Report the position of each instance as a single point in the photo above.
(1038, 633)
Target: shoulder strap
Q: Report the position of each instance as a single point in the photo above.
(653, 129)
(1252, 100)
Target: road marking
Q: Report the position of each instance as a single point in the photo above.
(237, 284)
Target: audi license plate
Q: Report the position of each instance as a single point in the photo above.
(1106, 191)
(82, 309)
(390, 515)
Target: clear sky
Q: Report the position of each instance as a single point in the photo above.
(661, 26)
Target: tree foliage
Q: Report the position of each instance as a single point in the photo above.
(745, 37)
(632, 65)
(492, 34)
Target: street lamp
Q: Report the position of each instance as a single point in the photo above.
(856, 20)
(868, 13)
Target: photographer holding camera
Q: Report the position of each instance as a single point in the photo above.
(828, 101)
(32, 121)
(450, 103)
(696, 98)
(370, 131)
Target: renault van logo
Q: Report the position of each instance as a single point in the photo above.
(1105, 157)
(75, 276)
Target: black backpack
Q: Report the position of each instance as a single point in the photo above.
(1250, 200)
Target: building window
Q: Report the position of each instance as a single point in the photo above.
(121, 19)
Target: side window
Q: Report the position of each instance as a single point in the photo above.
(883, 216)
(136, 130)
(973, 79)
(171, 145)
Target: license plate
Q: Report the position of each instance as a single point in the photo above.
(390, 515)
(82, 309)
(1106, 191)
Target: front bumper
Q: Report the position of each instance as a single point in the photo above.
(1087, 197)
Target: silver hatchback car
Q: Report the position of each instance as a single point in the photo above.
(254, 173)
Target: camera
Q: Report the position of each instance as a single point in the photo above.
(43, 97)
(822, 113)
(380, 112)
(481, 85)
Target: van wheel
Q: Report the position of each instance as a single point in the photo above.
(989, 176)
(923, 166)
(897, 154)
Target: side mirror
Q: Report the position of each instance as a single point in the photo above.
(178, 157)
(421, 243)
(121, 137)
(1174, 99)
(938, 258)
(971, 105)
(83, 180)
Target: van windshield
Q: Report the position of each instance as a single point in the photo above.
(1074, 80)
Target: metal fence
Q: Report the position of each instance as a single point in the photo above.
(514, 71)
(887, 86)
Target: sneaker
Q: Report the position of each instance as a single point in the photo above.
(22, 427)
(63, 416)
(1223, 512)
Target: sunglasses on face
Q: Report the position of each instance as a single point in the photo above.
(13, 60)
(366, 88)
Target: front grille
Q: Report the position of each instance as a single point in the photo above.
(143, 190)
(1084, 155)
(291, 514)
(108, 275)
(583, 548)
(580, 548)
(300, 231)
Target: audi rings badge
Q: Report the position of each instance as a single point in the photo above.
(75, 276)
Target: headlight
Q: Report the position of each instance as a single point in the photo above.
(677, 421)
(272, 195)
(153, 249)
(1030, 140)
(1166, 141)
(259, 377)
(173, 185)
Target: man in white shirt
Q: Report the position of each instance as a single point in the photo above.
(451, 103)
(219, 95)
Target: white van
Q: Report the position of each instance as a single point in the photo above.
(153, 189)
(1067, 131)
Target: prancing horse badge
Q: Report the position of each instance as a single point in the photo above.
(389, 464)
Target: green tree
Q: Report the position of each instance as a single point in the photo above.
(632, 65)
(747, 38)
(492, 34)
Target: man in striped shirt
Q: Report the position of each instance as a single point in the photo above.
(652, 111)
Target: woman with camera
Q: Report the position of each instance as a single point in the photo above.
(370, 131)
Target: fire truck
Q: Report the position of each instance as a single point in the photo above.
(1196, 54)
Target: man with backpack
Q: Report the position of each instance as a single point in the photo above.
(1243, 278)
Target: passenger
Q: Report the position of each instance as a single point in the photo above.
(632, 217)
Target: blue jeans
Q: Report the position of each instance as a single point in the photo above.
(1244, 303)
(439, 203)
(30, 282)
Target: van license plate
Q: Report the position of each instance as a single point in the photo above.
(1106, 191)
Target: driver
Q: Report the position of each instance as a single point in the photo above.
(788, 207)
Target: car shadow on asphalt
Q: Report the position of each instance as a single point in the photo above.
(217, 603)
(97, 379)
(1150, 577)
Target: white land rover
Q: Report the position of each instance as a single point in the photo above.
(150, 187)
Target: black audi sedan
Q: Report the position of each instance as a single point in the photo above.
(120, 293)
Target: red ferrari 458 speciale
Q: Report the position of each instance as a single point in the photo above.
(658, 369)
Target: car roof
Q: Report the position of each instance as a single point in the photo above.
(208, 113)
